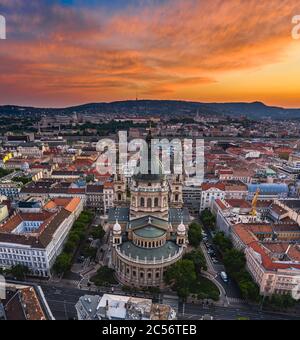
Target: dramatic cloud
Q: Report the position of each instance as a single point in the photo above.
(60, 54)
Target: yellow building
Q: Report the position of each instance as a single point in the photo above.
(3, 213)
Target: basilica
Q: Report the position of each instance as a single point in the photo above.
(150, 234)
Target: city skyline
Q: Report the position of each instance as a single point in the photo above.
(64, 53)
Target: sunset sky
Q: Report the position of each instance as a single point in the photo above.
(61, 53)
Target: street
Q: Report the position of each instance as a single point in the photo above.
(193, 312)
(62, 303)
(231, 290)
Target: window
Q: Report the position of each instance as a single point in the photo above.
(142, 202)
(149, 203)
(156, 202)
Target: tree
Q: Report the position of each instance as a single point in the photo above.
(70, 246)
(98, 233)
(90, 178)
(234, 261)
(63, 263)
(104, 277)
(19, 272)
(249, 290)
(23, 180)
(208, 219)
(74, 237)
(222, 242)
(198, 259)
(195, 234)
(180, 277)
(89, 252)
(280, 302)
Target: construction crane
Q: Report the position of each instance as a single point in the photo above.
(254, 203)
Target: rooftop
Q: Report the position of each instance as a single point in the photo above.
(269, 188)
(150, 232)
(164, 252)
(22, 303)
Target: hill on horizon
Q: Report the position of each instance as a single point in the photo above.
(255, 110)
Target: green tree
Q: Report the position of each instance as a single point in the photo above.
(63, 263)
(90, 178)
(98, 233)
(222, 242)
(19, 272)
(180, 276)
(74, 237)
(208, 219)
(70, 247)
(280, 302)
(234, 261)
(104, 277)
(249, 290)
(89, 252)
(23, 180)
(195, 234)
(198, 259)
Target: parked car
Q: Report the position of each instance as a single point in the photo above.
(224, 277)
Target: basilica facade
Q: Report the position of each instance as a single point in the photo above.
(150, 234)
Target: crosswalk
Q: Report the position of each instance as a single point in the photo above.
(172, 301)
(236, 301)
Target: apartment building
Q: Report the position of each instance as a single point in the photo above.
(35, 240)
(274, 266)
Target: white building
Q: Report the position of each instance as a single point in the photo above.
(35, 240)
(108, 196)
(233, 189)
(114, 307)
(274, 266)
(31, 150)
(210, 193)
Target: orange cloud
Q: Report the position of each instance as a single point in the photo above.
(178, 49)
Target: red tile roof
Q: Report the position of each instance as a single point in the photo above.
(207, 186)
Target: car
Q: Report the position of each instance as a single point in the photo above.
(224, 277)
(207, 317)
(80, 259)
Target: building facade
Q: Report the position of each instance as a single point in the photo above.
(34, 240)
(154, 237)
